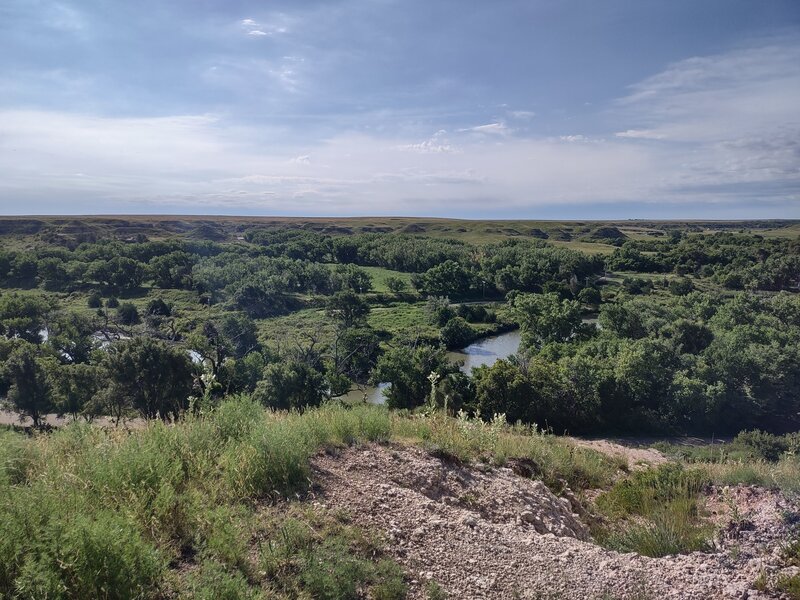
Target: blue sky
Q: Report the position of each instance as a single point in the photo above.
(507, 109)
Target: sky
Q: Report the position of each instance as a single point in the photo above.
(541, 109)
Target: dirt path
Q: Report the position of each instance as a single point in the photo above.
(488, 533)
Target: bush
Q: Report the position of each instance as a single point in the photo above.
(590, 296)
(112, 302)
(272, 461)
(672, 530)
(644, 490)
(681, 286)
(456, 333)
(762, 445)
(128, 313)
(395, 284)
(94, 300)
(101, 555)
(158, 307)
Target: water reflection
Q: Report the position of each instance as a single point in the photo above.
(483, 352)
(487, 351)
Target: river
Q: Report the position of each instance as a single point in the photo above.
(485, 351)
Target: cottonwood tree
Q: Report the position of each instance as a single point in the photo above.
(407, 369)
(348, 308)
(545, 318)
(28, 375)
(290, 384)
(147, 376)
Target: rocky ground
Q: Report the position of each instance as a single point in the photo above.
(482, 532)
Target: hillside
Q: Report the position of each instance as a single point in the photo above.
(364, 503)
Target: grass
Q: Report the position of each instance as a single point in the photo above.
(751, 458)
(208, 507)
(790, 586)
(656, 512)
(553, 459)
(212, 506)
(310, 552)
(85, 500)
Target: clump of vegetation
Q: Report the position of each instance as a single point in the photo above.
(790, 586)
(327, 559)
(660, 511)
(198, 494)
(85, 500)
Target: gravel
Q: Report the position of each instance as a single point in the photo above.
(489, 533)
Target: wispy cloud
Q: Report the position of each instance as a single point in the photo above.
(734, 115)
(436, 144)
(678, 137)
(579, 138)
(255, 28)
(498, 128)
(522, 114)
(716, 97)
(640, 134)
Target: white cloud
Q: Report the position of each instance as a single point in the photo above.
(278, 24)
(202, 162)
(579, 139)
(257, 76)
(522, 114)
(498, 128)
(714, 135)
(640, 134)
(436, 144)
(62, 16)
(733, 117)
(717, 97)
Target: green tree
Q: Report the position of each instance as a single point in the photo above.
(690, 336)
(446, 279)
(350, 277)
(680, 286)
(456, 333)
(76, 386)
(29, 377)
(128, 313)
(544, 318)
(622, 321)
(148, 376)
(52, 272)
(396, 285)
(71, 335)
(172, 270)
(24, 316)
(438, 310)
(502, 389)
(95, 300)
(347, 307)
(590, 296)
(158, 307)
(290, 384)
(407, 370)
(354, 352)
